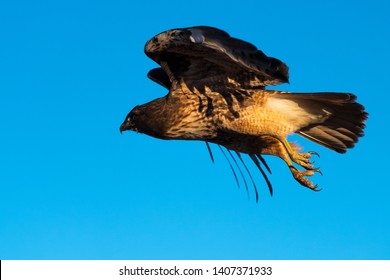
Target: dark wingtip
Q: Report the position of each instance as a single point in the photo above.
(259, 156)
(210, 153)
(257, 163)
(231, 166)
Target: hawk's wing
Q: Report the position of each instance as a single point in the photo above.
(159, 76)
(207, 55)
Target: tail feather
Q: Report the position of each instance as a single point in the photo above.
(344, 124)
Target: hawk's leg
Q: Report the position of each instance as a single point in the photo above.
(279, 149)
(299, 175)
(302, 159)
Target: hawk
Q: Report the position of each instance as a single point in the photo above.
(217, 94)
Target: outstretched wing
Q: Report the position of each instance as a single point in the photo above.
(206, 55)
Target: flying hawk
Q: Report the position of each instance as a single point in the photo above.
(217, 94)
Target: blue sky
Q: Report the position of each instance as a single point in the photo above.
(73, 187)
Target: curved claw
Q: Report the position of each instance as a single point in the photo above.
(318, 171)
(316, 189)
(314, 153)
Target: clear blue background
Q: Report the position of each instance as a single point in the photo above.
(73, 187)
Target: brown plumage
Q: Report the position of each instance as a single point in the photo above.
(217, 94)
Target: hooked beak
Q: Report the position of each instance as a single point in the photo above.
(126, 126)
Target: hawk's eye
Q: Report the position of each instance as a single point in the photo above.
(131, 118)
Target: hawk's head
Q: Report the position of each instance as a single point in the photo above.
(132, 118)
(147, 118)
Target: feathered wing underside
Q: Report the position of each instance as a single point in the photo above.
(200, 55)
